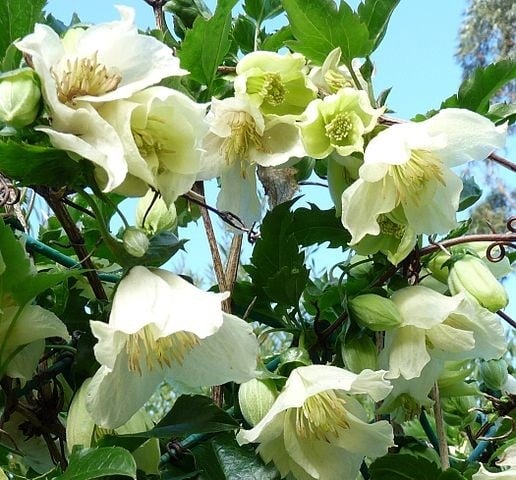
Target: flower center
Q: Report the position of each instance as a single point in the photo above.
(321, 416)
(389, 227)
(84, 76)
(339, 128)
(243, 136)
(158, 352)
(269, 86)
(336, 80)
(411, 177)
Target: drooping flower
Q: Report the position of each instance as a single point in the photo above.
(275, 83)
(239, 139)
(409, 165)
(163, 327)
(317, 429)
(338, 122)
(160, 130)
(87, 68)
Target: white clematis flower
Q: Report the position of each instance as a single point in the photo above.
(162, 327)
(409, 165)
(87, 68)
(508, 459)
(439, 327)
(240, 138)
(160, 129)
(316, 429)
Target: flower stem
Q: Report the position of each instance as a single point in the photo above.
(441, 429)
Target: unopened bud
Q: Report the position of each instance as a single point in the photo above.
(375, 312)
(359, 353)
(471, 275)
(494, 373)
(459, 411)
(256, 398)
(135, 241)
(153, 216)
(20, 97)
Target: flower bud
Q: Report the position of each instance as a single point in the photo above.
(20, 97)
(459, 411)
(494, 373)
(153, 216)
(359, 353)
(375, 312)
(256, 398)
(135, 241)
(471, 275)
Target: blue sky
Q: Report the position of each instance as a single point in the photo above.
(416, 59)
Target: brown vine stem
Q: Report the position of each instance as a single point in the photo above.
(505, 238)
(159, 17)
(440, 429)
(53, 198)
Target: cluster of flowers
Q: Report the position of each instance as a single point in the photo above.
(389, 184)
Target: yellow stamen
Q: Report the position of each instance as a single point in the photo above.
(269, 86)
(160, 352)
(339, 128)
(84, 76)
(389, 227)
(335, 80)
(321, 417)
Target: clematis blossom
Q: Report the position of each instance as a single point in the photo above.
(240, 137)
(162, 327)
(408, 165)
(317, 429)
(508, 459)
(86, 68)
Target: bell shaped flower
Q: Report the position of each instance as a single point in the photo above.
(338, 123)
(160, 130)
(86, 68)
(22, 338)
(162, 327)
(275, 83)
(239, 138)
(317, 429)
(435, 326)
(408, 165)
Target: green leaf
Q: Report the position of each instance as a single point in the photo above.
(274, 42)
(471, 192)
(451, 474)
(376, 15)
(17, 19)
(319, 28)
(90, 463)
(207, 43)
(260, 10)
(36, 165)
(162, 247)
(224, 459)
(243, 33)
(313, 226)
(502, 112)
(403, 467)
(478, 89)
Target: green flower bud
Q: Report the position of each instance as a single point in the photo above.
(494, 373)
(256, 398)
(458, 411)
(135, 241)
(20, 97)
(375, 312)
(471, 275)
(292, 358)
(153, 216)
(359, 353)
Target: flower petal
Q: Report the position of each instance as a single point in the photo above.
(407, 353)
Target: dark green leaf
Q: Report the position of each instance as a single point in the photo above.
(17, 19)
(223, 459)
(260, 10)
(502, 112)
(90, 463)
(274, 42)
(376, 15)
(207, 43)
(319, 28)
(403, 467)
(36, 165)
(313, 226)
(162, 247)
(471, 192)
(451, 474)
(243, 33)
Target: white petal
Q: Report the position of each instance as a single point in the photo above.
(449, 339)
(408, 354)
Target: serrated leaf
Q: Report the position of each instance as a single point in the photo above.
(274, 42)
(36, 165)
(90, 463)
(313, 226)
(375, 14)
(17, 19)
(224, 459)
(243, 33)
(319, 28)
(261, 10)
(403, 467)
(470, 193)
(207, 43)
(502, 112)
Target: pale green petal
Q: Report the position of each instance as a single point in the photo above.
(274, 450)
(362, 203)
(407, 354)
(266, 431)
(229, 355)
(371, 383)
(25, 362)
(450, 340)
(422, 307)
(313, 132)
(483, 474)
(111, 342)
(79, 424)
